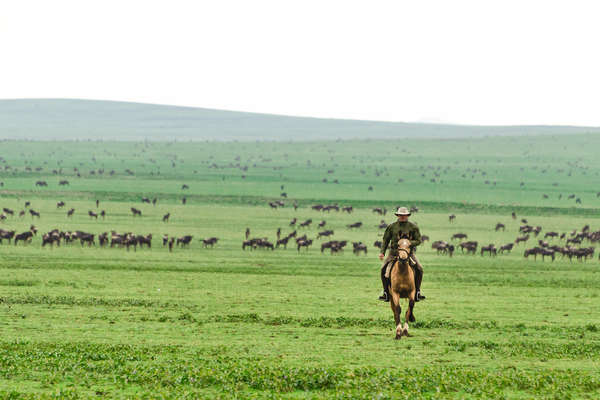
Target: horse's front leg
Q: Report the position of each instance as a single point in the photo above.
(397, 309)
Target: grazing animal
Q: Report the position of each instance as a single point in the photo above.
(34, 213)
(60, 204)
(459, 236)
(491, 249)
(507, 247)
(306, 223)
(324, 234)
(500, 226)
(304, 243)
(358, 247)
(6, 235)
(209, 242)
(184, 240)
(136, 212)
(451, 217)
(24, 237)
(521, 239)
(355, 225)
(402, 286)
(70, 212)
(166, 217)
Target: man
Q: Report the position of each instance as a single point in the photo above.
(392, 232)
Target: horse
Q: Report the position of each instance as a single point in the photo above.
(402, 286)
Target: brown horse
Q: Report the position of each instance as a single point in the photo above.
(402, 286)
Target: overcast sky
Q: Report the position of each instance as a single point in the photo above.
(469, 62)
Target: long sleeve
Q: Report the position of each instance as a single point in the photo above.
(386, 239)
(416, 237)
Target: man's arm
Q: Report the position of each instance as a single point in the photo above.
(416, 237)
(386, 239)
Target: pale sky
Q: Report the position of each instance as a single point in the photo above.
(457, 61)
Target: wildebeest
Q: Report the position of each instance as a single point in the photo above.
(136, 212)
(92, 214)
(293, 221)
(70, 212)
(500, 226)
(8, 211)
(306, 223)
(145, 200)
(304, 243)
(521, 239)
(209, 242)
(470, 246)
(41, 183)
(184, 240)
(63, 182)
(377, 244)
(451, 218)
(354, 225)
(34, 213)
(166, 217)
(184, 187)
(324, 234)
(358, 247)
(60, 204)
(6, 235)
(24, 237)
(348, 209)
(459, 236)
(382, 224)
(507, 247)
(491, 249)
(322, 223)
(334, 245)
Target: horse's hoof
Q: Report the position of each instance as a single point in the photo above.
(412, 318)
(405, 333)
(398, 337)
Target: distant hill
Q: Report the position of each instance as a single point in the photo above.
(70, 119)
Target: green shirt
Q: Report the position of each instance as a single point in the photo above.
(394, 230)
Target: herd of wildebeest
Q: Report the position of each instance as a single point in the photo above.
(576, 244)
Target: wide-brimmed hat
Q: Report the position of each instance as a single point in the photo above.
(402, 211)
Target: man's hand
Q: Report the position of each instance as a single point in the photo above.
(381, 256)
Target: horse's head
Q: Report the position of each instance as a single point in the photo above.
(403, 248)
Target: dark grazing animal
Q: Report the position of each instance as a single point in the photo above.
(324, 234)
(507, 247)
(355, 225)
(184, 240)
(209, 242)
(491, 249)
(459, 236)
(358, 247)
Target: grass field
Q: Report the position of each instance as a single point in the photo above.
(221, 322)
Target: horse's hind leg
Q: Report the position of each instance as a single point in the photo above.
(410, 316)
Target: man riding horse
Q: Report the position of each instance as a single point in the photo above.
(393, 232)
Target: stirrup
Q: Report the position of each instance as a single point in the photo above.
(384, 297)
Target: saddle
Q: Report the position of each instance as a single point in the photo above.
(390, 264)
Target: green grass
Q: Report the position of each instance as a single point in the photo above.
(222, 322)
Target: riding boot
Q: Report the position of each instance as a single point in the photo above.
(418, 279)
(386, 283)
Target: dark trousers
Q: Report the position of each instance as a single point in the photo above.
(417, 268)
